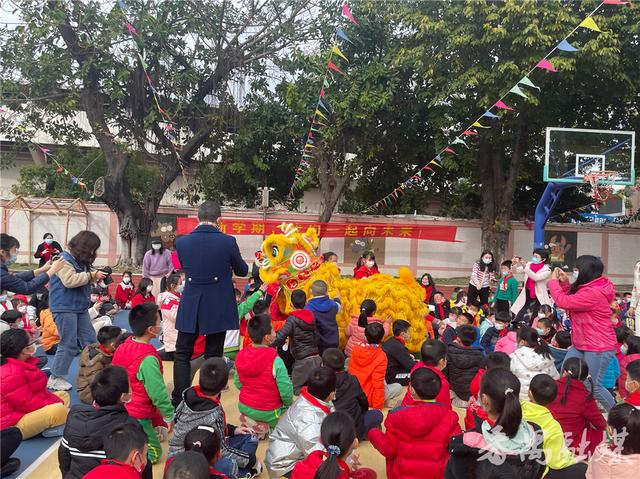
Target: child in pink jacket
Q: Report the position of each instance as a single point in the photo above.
(355, 328)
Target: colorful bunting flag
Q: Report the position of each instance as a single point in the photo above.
(477, 124)
(341, 34)
(449, 150)
(590, 24)
(459, 141)
(333, 67)
(503, 106)
(322, 93)
(437, 158)
(346, 11)
(469, 132)
(320, 114)
(516, 90)
(565, 46)
(488, 114)
(546, 65)
(525, 81)
(337, 51)
(132, 30)
(323, 106)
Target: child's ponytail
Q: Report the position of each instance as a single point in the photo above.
(205, 440)
(503, 388)
(577, 369)
(531, 338)
(367, 308)
(624, 419)
(337, 435)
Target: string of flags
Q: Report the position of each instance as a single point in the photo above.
(495, 112)
(322, 108)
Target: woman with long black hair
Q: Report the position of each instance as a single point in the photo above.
(483, 275)
(587, 301)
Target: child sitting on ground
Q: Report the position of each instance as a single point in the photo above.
(168, 302)
(545, 329)
(97, 313)
(126, 450)
(632, 384)
(10, 319)
(339, 441)
(82, 445)
(499, 330)
(559, 348)
(188, 465)
(206, 441)
(201, 406)
(533, 357)
(399, 360)
(298, 430)
(369, 364)
(350, 398)
(94, 358)
(559, 459)
(301, 330)
(355, 329)
(450, 322)
(143, 293)
(416, 440)
(150, 402)
(262, 379)
(124, 291)
(576, 410)
(475, 413)
(488, 321)
(434, 357)
(631, 352)
(507, 343)
(324, 311)
(462, 319)
(463, 362)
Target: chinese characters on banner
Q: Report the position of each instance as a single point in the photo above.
(245, 226)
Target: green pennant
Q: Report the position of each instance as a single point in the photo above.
(526, 81)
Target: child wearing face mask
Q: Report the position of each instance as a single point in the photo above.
(506, 290)
(143, 293)
(499, 330)
(632, 383)
(631, 352)
(5, 303)
(94, 358)
(545, 329)
(366, 266)
(97, 310)
(126, 453)
(169, 301)
(150, 401)
(124, 291)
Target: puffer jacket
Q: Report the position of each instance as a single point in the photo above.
(589, 312)
(606, 463)
(416, 439)
(507, 343)
(296, 434)
(369, 364)
(49, 330)
(82, 445)
(462, 365)
(355, 333)
(92, 360)
(24, 390)
(351, 399)
(526, 363)
(324, 311)
(443, 397)
(169, 303)
(300, 327)
(255, 371)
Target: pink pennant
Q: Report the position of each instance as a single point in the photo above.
(44, 150)
(333, 67)
(346, 11)
(132, 30)
(322, 93)
(310, 136)
(469, 132)
(546, 65)
(449, 150)
(615, 2)
(502, 105)
(427, 168)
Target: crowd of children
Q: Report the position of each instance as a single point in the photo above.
(526, 408)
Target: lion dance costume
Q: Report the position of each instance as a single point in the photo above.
(292, 260)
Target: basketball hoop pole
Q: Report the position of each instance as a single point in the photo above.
(545, 207)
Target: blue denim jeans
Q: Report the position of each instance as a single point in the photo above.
(74, 329)
(597, 363)
(243, 442)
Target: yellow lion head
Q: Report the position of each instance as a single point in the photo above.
(287, 254)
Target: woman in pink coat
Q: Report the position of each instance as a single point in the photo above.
(587, 304)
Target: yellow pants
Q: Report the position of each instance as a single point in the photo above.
(52, 415)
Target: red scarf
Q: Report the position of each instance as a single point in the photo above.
(108, 353)
(530, 284)
(316, 402)
(503, 283)
(503, 332)
(441, 309)
(399, 338)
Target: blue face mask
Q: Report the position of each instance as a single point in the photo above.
(180, 288)
(540, 331)
(536, 260)
(574, 275)
(3, 298)
(487, 260)
(12, 260)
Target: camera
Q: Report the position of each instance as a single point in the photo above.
(108, 279)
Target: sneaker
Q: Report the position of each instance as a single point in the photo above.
(57, 383)
(255, 472)
(10, 467)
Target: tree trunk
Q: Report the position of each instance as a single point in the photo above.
(332, 185)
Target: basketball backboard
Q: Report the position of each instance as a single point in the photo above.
(572, 153)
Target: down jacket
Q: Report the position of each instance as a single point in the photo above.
(416, 439)
(589, 312)
(526, 363)
(355, 333)
(351, 399)
(369, 364)
(92, 361)
(296, 434)
(169, 303)
(307, 468)
(605, 463)
(462, 365)
(300, 327)
(24, 390)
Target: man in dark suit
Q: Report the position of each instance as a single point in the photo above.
(208, 303)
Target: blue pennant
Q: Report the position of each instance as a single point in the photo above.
(341, 34)
(565, 46)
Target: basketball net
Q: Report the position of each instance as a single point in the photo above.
(599, 191)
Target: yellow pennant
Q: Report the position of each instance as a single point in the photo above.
(320, 114)
(590, 24)
(337, 51)
(478, 125)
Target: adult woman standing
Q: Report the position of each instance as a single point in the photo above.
(587, 303)
(482, 275)
(24, 282)
(47, 249)
(534, 294)
(156, 264)
(69, 301)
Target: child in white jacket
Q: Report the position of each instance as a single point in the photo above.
(532, 357)
(168, 301)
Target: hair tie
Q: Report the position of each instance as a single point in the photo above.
(333, 450)
(507, 391)
(206, 428)
(197, 443)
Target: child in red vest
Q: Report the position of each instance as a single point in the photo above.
(475, 414)
(143, 293)
(434, 357)
(261, 376)
(124, 291)
(416, 440)
(150, 401)
(126, 450)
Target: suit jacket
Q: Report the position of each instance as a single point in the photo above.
(208, 303)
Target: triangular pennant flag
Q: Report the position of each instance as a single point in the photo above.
(438, 158)
(546, 65)
(316, 122)
(449, 150)
(477, 124)
(308, 146)
(60, 169)
(322, 93)
(503, 106)
(565, 46)
(516, 89)
(432, 162)
(310, 135)
(325, 84)
(309, 142)
(320, 114)
(469, 132)
(307, 155)
(132, 30)
(337, 51)
(590, 24)
(525, 81)
(333, 67)
(315, 129)
(459, 141)
(428, 168)
(616, 2)
(346, 11)
(44, 150)
(488, 114)
(323, 106)
(341, 34)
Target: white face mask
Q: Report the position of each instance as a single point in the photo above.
(369, 264)
(94, 298)
(149, 288)
(22, 309)
(126, 280)
(500, 326)
(156, 246)
(30, 350)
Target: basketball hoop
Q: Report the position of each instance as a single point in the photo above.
(599, 191)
